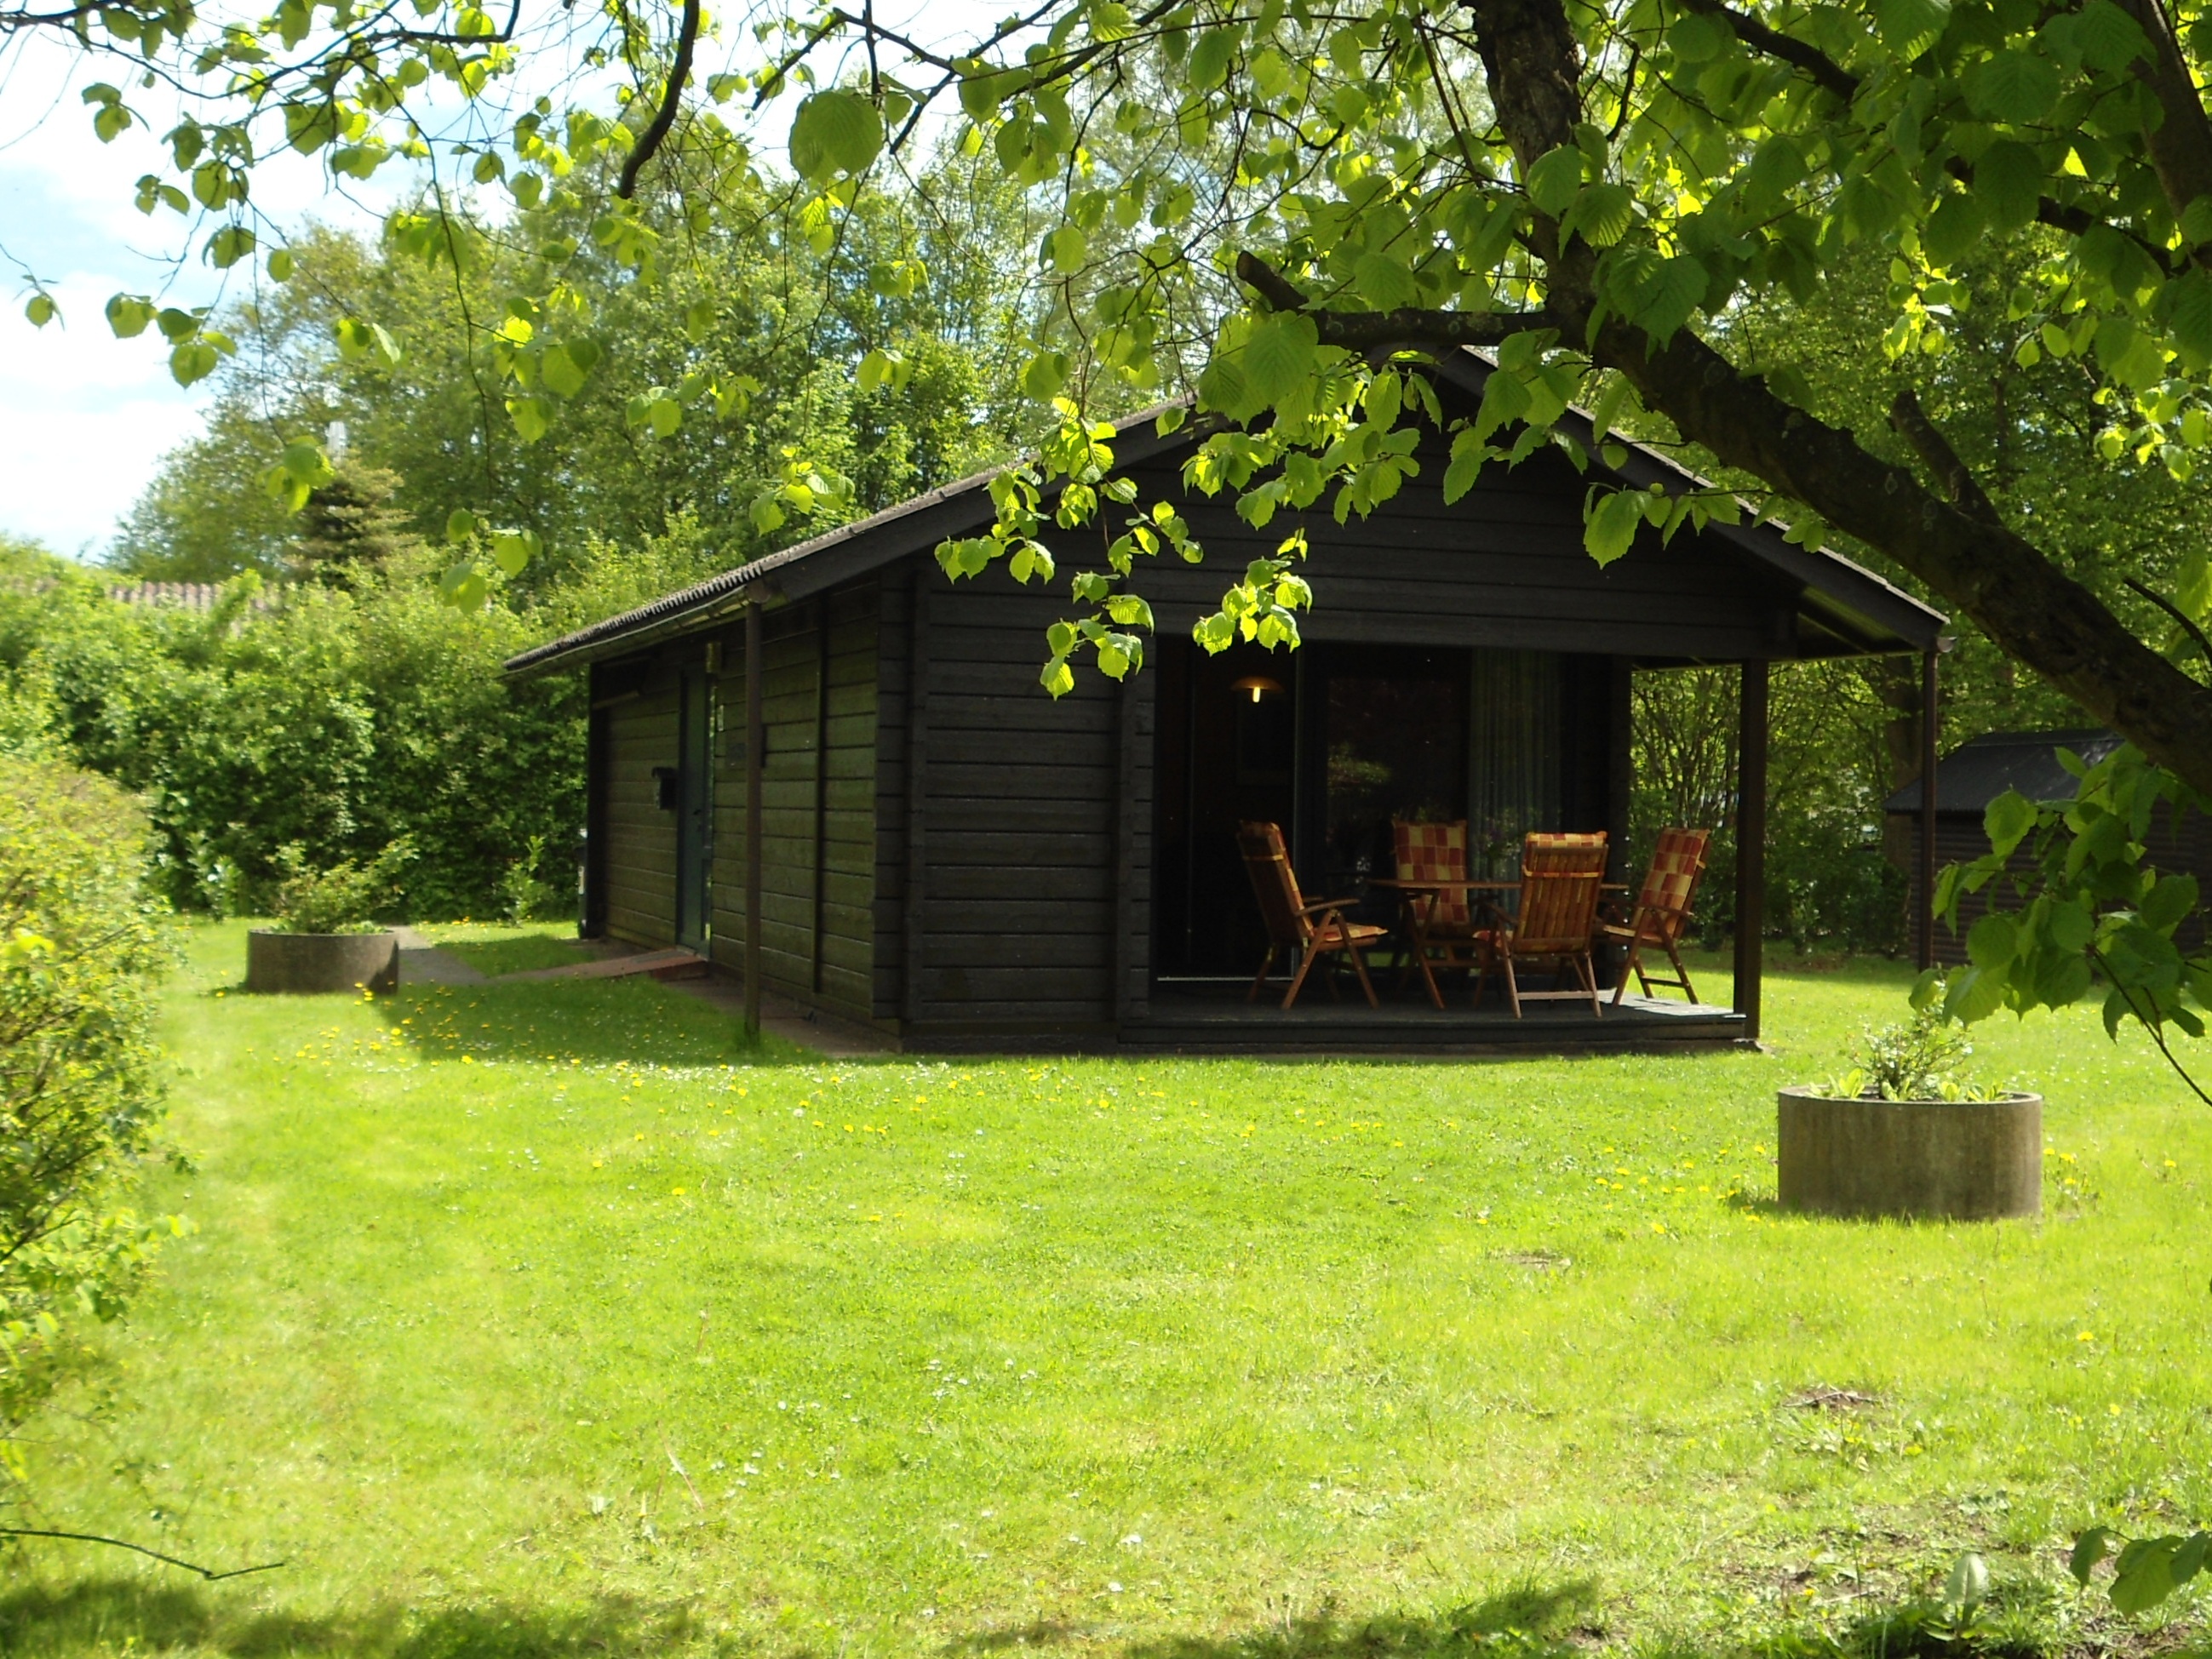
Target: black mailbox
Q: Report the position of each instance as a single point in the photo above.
(665, 791)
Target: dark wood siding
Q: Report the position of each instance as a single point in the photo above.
(999, 819)
(1503, 566)
(817, 800)
(638, 863)
(1961, 838)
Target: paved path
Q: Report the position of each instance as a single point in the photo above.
(421, 962)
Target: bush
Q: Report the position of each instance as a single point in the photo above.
(337, 719)
(343, 898)
(81, 943)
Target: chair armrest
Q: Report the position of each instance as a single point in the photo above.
(1319, 905)
(1497, 913)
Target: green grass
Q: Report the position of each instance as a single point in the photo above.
(493, 950)
(544, 1319)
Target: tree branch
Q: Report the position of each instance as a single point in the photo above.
(1833, 77)
(2034, 611)
(679, 72)
(2175, 612)
(1911, 423)
(208, 1573)
(1367, 331)
(2180, 146)
(1824, 70)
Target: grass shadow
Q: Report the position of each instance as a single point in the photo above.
(1529, 1621)
(596, 1021)
(119, 1615)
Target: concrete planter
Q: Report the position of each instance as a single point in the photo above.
(1942, 1160)
(321, 961)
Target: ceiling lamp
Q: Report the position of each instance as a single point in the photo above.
(1259, 686)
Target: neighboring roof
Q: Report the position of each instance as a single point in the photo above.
(1981, 769)
(177, 596)
(1863, 613)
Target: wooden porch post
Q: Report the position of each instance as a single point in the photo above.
(755, 735)
(1931, 712)
(1751, 844)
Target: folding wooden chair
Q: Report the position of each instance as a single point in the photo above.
(1440, 922)
(1661, 915)
(1562, 877)
(1307, 931)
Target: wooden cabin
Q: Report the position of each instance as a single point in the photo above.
(1982, 769)
(952, 857)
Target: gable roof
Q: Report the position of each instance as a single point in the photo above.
(1860, 612)
(1981, 769)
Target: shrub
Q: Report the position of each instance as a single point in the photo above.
(81, 943)
(343, 898)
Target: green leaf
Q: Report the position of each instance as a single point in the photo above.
(1555, 180)
(127, 316)
(464, 587)
(1610, 523)
(193, 361)
(1384, 283)
(229, 245)
(2144, 1577)
(1973, 994)
(2108, 40)
(1953, 230)
(835, 132)
(1279, 356)
(1669, 296)
(699, 320)
(2089, 1548)
(1992, 942)
(2168, 902)
(280, 264)
(1776, 168)
(1696, 37)
(1066, 249)
(39, 308)
(515, 548)
(1208, 64)
(2008, 819)
(1969, 1583)
(2013, 85)
(2187, 303)
(2189, 1560)
(1601, 213)
(1468, 453)
(562, 373)
(2070, 927)
(2008, 180)
(460, 525)
(1909, 27)
(533, 417)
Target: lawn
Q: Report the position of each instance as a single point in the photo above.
(542, 1318)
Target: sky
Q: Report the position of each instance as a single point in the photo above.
(85, 418)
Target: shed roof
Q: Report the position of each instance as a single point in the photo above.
(1981, 769)
(1839, 601)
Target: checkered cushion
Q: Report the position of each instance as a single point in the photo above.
(1671, 883)
(1435, 852)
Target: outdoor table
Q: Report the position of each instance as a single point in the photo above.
(1411, 910)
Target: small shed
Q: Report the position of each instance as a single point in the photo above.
(1982, 769)
(924, 840)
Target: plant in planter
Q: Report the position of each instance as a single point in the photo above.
(326, 938)
(1903, 1133)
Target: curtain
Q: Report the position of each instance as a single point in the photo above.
(1513, 757)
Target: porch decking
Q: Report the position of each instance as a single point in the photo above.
(1212, 1017)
